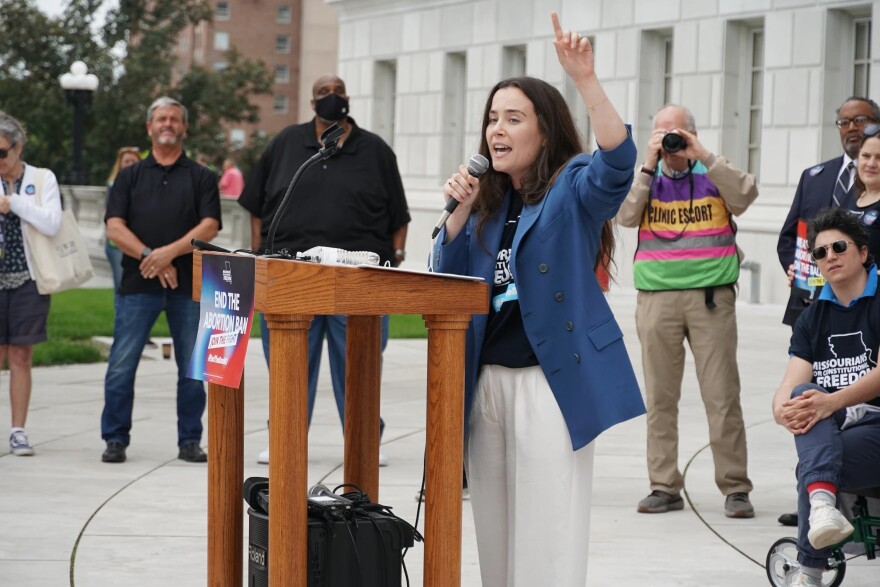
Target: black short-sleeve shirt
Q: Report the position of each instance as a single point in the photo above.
(353, 201)
(160, 204)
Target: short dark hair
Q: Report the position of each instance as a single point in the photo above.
(875, 109)
(842, 220)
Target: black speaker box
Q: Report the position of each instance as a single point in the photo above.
(362, 548)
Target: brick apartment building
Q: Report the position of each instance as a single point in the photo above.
(297, 39)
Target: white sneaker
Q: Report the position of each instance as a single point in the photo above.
(263, 457)
(19, 445)
(383, 460)
(799, 579)
(827, 526)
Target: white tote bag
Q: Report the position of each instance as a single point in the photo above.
(59, 262)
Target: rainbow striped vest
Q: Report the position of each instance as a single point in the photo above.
(686, 238)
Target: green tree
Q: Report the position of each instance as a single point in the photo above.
(133, 57)
(215, 97)
(247, 155)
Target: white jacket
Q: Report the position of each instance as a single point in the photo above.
(45, 218)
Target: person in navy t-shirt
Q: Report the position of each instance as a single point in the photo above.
(828, 397)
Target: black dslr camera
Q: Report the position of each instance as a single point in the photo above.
(673, 143)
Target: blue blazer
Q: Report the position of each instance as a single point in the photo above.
(815, 191)
(572, 330)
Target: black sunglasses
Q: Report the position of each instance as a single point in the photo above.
(839, 247)
(4, 153)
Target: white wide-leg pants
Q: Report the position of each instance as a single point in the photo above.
(530, 491)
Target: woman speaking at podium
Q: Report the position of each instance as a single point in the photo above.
(546, 371)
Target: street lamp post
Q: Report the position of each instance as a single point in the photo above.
(79, 86)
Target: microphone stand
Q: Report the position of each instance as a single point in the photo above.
(329, 138)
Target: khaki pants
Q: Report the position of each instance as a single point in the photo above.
(664, 319)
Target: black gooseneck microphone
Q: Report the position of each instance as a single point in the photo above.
(329, 138)
(477, 165)
(206, 246)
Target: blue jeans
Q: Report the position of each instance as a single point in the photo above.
(135, 316)
(114, 258)
(334, 328)
(850, 459)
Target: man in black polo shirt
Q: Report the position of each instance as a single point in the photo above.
(352, 201)
(155, 209)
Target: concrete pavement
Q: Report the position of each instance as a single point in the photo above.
(68, 519)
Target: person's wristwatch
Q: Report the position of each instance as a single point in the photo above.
(146, 252)
(648, 171)
(400, 253)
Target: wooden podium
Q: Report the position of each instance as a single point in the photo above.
(289, 293)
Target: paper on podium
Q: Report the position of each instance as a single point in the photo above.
(413, 272)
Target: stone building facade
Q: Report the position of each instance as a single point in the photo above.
(762, 77)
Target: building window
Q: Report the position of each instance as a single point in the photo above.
(283, 15)
(282, 74)
(655, 81)
(184, 43)
(221, 11)
(667, 69)
(237, 137)
(862, 57)
(513, 61)
(756, 100)
(219, 65)
(279, 105)
(221, 41)
(384, 99)
(282, 44)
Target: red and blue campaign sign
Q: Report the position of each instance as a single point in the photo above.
(227, 308)
(807, 279)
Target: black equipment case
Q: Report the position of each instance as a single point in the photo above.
(351, 542)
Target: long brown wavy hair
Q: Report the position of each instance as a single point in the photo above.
(562, 142)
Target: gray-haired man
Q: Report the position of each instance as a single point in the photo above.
(155, 209)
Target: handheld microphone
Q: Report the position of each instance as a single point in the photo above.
(477, 165)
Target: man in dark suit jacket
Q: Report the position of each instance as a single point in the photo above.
(815, 189)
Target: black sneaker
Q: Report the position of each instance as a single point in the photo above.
(115, 453)
(192, 453)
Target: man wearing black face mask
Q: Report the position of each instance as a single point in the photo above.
(353, 201)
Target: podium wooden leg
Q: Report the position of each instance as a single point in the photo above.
(225, 476)
(363, 374)
(445, 438)
(288, 449)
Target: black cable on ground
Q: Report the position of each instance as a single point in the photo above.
(100, 507)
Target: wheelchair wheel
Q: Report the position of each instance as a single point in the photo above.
(782, 562)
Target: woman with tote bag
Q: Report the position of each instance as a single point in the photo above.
(23, 310)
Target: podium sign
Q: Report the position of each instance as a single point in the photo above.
(225, 314)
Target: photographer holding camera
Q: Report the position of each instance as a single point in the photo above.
(686, 265)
